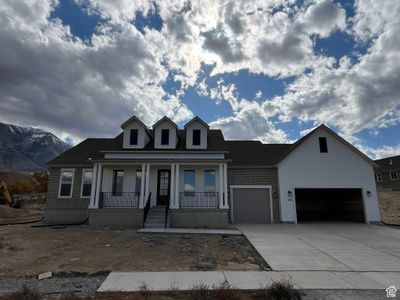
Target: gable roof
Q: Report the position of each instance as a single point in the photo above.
(255, 153)
(388, 163)
(335, 135)
(164, 119)
(196, 119)
(134, 118)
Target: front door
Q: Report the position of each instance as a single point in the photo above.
(163, 187)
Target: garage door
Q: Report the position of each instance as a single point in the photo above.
(251, 205)
(329, 205)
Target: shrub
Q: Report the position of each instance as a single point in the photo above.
(279, 290)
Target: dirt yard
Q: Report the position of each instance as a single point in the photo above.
(29, 251)
(389, 202)
(13, 215)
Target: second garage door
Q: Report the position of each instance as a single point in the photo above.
(251, 205)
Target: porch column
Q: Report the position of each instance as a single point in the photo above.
(142, 191)
(176, 201)
(93, 190)
(147, 182)
(98, 185)
(225, 202)
(221, 186)
(172, 187)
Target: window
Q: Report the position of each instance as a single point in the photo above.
(196, 137)
(323, 146)
(118, 182)
(209, 181)
(66, 183)
(378, 177)
(86, 188)
(393, 175)
(164, 136)
(190, 182)
(133, 137)
(138, 182)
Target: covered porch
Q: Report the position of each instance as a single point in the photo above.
(192, 194)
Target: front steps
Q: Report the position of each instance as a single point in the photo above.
(156, 217)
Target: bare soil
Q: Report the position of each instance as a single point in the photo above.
(389, 202)
(30, 251)
(14, 215)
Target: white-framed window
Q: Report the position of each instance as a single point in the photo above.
(394, 175)
(86, 186)
(189, 182)
(378, 177)
(209, 181)
(66, 183)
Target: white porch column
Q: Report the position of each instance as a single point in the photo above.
(221, 186)
(94, 184)
(142, 191)
(147, 182)
(172, 187)
(225, 202)
(98, 185)
(176, 202)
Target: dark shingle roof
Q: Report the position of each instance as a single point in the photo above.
(255, 153)
(389, 163)
(92, 147)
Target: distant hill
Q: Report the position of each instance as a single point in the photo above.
(27, 149)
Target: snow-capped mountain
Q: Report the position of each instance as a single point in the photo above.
(27, 149)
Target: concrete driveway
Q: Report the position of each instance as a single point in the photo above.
(326, 246)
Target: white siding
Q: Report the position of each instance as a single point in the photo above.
(129, 178)
(143, 138)
(203, 136)
(173, 138)
(306, 167)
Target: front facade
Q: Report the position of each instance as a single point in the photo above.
(191, 177)
(387, 175)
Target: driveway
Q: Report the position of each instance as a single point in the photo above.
(326, 246)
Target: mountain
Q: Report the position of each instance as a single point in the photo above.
(27, 149)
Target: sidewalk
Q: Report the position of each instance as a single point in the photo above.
(164, 281)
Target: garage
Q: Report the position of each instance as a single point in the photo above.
(329, 205)
(251, 204)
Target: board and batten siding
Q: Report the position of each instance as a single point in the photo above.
(257, 176)
(75, 202)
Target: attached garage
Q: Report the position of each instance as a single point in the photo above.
(330, 204)
(251, 204)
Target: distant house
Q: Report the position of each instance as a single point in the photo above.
(193, 177)
(387, 175)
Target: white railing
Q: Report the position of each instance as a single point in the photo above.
(199, 199)
(110, 200)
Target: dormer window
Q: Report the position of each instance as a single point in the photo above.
(164, 137)
(196, 137)
(133, 140)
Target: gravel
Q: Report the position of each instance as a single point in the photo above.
(59, 284)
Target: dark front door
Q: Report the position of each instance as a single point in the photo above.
(163, 187)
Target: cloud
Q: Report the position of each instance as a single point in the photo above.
(50, 78)
(352, 96)
(250, 124)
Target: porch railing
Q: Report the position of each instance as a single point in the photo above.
(110, 200)
(199, 199)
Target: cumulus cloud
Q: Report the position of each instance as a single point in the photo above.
(51, 79)
(353, 96)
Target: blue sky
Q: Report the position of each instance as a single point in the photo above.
(267, 73)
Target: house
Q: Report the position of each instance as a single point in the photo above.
(387, 175)
(193, 177)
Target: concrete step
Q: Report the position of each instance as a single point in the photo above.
(154, 225)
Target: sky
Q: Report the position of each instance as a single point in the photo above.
(268, 70)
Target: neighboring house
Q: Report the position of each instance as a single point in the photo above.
(192, 177)
(387, 175)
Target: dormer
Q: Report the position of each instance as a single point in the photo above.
(165, 134)
(136, 134)
(196, 134)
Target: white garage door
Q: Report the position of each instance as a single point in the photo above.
(251, 204)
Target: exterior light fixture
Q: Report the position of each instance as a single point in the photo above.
(369, 193)
(290, 193)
